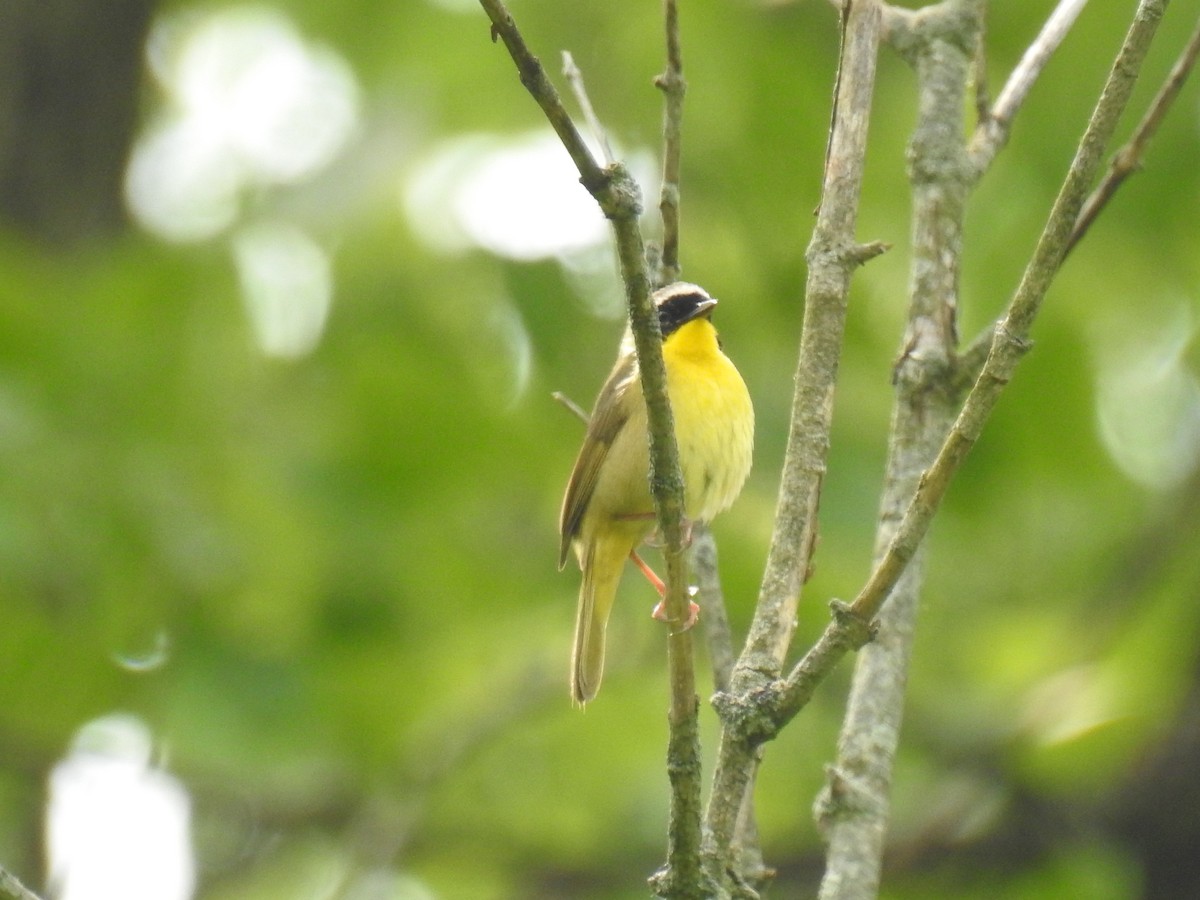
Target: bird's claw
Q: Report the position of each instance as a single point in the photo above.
(655, 539)
(660, 611)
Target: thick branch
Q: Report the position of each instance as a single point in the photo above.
(758, 716)
(746, 846)
(1010, 341)
(1011, 338)
(853, 808)
(832, 257)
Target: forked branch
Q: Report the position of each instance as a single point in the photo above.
(1128, 159)
(1009, 344)
(833, 255)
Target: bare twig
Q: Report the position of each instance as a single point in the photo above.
(833, 254)
(683, 875)
(12, 889)
(671, 82)
(619, 198)
(575, 80)
(712, 600)
(992, 132)
(843, 15)
(533, 76)
(572, 407)
(1129, 158)
(983, 96)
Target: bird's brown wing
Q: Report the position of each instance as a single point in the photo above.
(609, 416)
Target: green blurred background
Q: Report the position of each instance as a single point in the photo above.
(280, 471)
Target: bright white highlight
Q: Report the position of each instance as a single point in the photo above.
(524, 201)
(249, 104)
(518, 198)
(116, 826)
(287, 286)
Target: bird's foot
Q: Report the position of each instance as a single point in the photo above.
(655, 540)
(660, 611)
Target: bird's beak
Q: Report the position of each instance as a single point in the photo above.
(703, 308)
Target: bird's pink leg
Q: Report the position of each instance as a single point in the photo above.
(650, 575)
(660, 611)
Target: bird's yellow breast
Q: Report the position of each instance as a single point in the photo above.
(714, 419)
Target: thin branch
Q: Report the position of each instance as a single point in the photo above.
(979, 75)
(843, 10)
(12, 889)
(832, 257)
(619, 198)
(575, 80)
(712, 600)
(533, 76)
(683, 875)
(992, 132)
(1129, 158)
(671, 82)
(572, 407)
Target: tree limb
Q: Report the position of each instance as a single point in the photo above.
(758, 715)
(853, 808)
(760, 701)
(1011, 339)
(720, 651)
(832, 255)
(1009, 343)
(619, 198)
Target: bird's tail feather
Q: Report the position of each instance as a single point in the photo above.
(603, 563)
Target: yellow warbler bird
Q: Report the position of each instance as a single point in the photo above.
(608, 511)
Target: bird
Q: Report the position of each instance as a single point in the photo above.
(607, 510)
